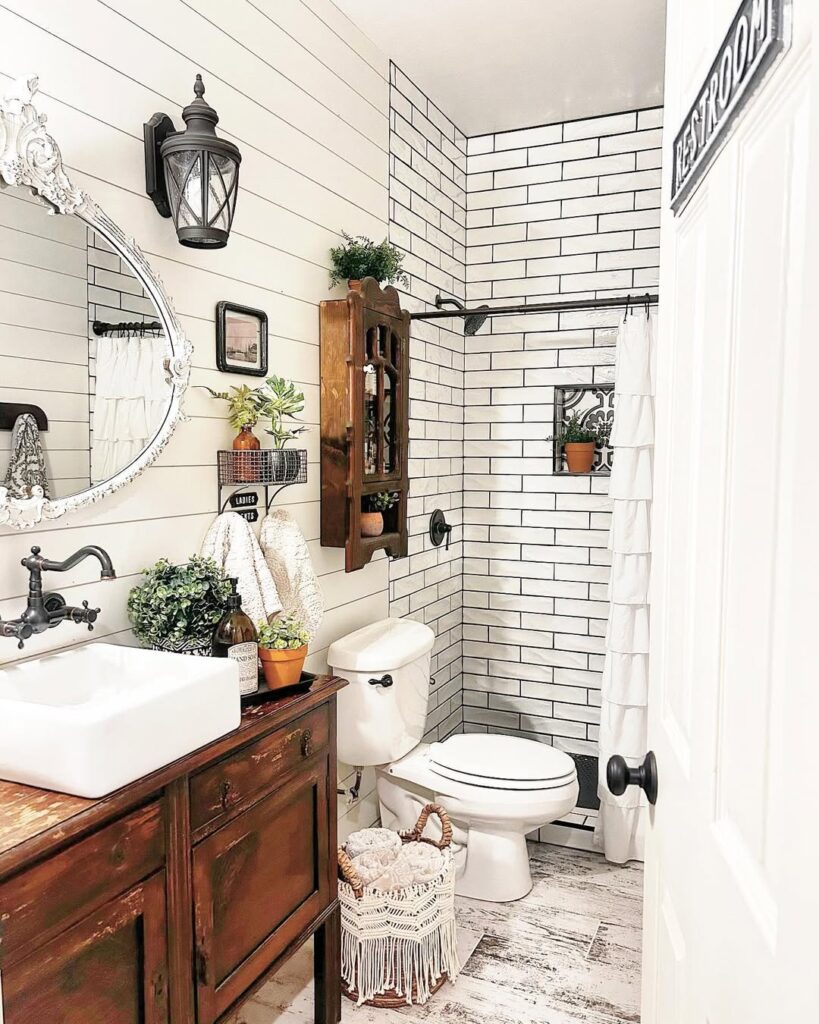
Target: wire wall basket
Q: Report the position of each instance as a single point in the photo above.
(268, 468)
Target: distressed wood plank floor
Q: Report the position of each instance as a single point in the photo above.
(567, 954)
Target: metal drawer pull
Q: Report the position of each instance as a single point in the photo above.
(307, 743)
(224, 794)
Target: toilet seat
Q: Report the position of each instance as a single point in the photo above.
(499, 762)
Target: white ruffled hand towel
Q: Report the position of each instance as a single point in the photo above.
(231, 543)
(288, 557)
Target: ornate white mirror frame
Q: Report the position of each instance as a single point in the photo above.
(30, 157)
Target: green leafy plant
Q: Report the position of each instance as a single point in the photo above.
(279, 400)
(285, 633)
(178, 602)
(575, 432)
(381, 502)
(361, 257)
(243, 405)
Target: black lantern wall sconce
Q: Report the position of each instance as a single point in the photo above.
(193, 175)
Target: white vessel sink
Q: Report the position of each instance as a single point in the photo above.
(92, 719)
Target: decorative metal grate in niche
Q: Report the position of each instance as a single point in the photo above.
(595, 404)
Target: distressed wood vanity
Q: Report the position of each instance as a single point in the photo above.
(172, 899)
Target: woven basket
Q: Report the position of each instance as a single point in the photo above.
(398, 948)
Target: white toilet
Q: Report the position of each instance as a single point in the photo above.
(497, 789)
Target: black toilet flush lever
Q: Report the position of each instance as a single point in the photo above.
(386, 681)
(439, 528)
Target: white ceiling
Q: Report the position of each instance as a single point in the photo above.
(499, 64)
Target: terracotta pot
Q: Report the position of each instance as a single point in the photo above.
(282, 668)
(579, 457)
(246, 467)
(372, 524)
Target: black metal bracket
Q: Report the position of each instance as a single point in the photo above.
(10, 411)
(439, 529)
(154, 133)
(619, 776)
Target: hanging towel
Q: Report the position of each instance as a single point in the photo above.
(27, 462)
(286, 552)
(231, 543)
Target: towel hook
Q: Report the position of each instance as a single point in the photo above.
(628, 303)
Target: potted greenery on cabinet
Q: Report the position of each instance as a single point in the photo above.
(579, 442)
(282, 650)
(372, 519)
(360, 257)
(176, 607)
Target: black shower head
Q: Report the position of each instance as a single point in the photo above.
(473, 322)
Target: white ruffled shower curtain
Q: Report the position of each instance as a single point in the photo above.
(620, 825)
(130, 400)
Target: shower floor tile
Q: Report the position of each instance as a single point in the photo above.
(569, 953)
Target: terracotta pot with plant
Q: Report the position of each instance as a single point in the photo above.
(579, 442)
(282, 650)
(176, 607)
(372, 518)
(360, 257)
(244, 413)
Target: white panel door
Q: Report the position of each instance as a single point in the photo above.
(731, 860)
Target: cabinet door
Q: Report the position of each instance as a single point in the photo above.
(258, 883)
(111, 967)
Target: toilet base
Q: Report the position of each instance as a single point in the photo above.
(497, 867)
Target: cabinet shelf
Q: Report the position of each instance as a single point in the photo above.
(364, 418)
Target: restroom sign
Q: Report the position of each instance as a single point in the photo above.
(758, 36)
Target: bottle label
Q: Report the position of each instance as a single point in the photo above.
(246, 657)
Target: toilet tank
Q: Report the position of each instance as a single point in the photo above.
(377, 723)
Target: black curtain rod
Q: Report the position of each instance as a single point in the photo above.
(544, 307)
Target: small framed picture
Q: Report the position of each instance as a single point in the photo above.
(241, 339)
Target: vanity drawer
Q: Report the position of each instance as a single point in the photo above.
(45, 899)
(257, 768)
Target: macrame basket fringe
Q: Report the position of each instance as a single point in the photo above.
(398, 948)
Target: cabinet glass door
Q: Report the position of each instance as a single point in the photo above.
(381, 426)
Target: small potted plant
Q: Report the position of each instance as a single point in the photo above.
(579, 442)
(279, 402)
(372, 518)
(244, 413)
(282, 650)
(176, 607)
(360, 257)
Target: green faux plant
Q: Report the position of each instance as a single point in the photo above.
(575, 432)
(361, 257)
(243, 405)
(285, 633)
(174, 603)
(381, 502)
(279, 400)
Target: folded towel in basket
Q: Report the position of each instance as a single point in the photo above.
(415, 864)
(371, 839)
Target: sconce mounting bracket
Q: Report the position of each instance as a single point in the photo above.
(155, 131)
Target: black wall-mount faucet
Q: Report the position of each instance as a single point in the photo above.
(44, 611)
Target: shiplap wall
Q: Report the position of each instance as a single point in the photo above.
(43, 346)
(305, 96)
(559, 211)
(428, 223)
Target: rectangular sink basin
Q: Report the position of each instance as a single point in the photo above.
(90, 720)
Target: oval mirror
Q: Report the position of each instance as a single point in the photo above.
(93, 362)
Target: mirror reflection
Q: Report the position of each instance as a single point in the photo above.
(83, 389)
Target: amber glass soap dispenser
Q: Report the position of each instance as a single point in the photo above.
(236, 637)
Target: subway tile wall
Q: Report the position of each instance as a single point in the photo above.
(559, 211)
(427, 221)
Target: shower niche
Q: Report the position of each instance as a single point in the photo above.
(595, 405)
(364, 422)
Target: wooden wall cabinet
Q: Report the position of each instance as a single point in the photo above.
(364, 418)
(170, 901)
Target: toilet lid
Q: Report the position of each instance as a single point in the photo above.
(501, 762)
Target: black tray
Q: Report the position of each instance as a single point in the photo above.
(263, 694)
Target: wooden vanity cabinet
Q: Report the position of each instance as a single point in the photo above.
(364, 418)
(171, 900)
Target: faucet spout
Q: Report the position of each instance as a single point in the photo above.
(36, 563)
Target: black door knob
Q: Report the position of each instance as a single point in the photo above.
(619, 776)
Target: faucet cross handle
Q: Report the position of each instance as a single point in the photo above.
(89, 615)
